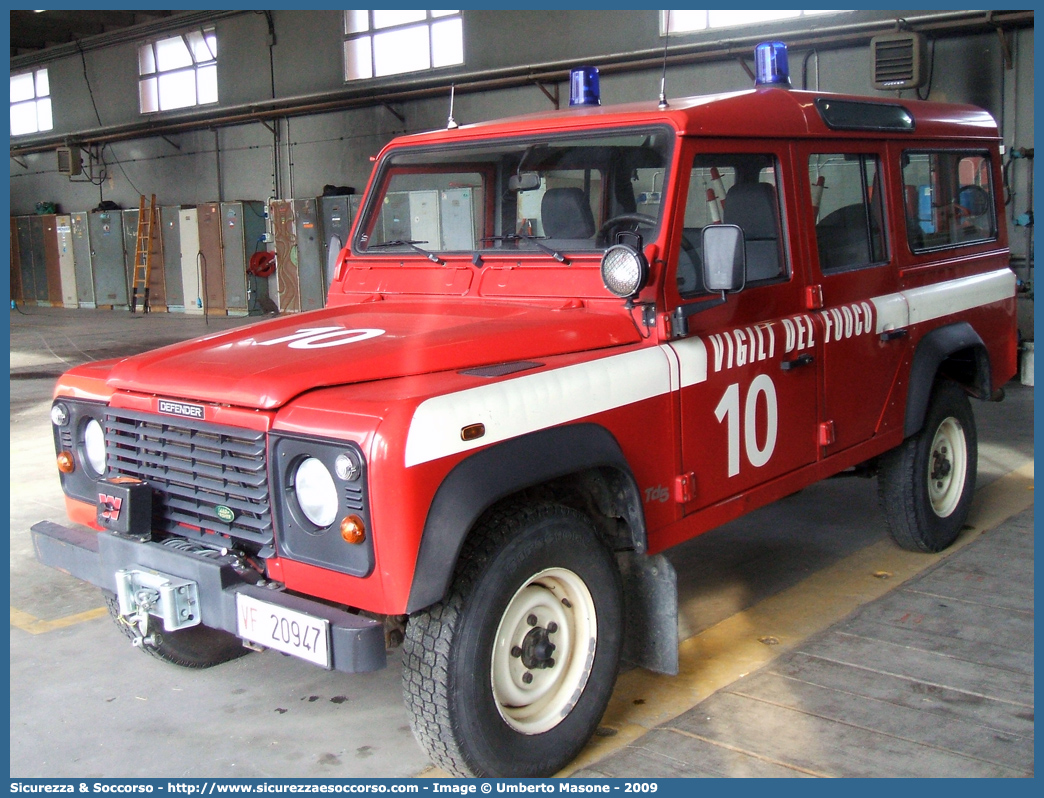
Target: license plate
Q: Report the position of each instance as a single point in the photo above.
(289, 631)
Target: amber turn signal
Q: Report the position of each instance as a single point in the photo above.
(353, 530)
(66, 464)
(472, 432)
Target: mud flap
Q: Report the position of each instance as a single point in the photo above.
(650, 588)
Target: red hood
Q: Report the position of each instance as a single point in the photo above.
(244, 367)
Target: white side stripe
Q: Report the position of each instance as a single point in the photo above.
(929, 302)
(533, 402)
(536, 401)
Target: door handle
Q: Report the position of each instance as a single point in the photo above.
(801, 360)
(891, 335)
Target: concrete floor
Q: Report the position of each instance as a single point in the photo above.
(84, 703)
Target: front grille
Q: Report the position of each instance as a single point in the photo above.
(195, 467)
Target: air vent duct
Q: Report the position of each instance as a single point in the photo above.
(898, 60)
(69, 161)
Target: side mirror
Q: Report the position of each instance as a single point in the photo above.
(524, 181)
(724, 258)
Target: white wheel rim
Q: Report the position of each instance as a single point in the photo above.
(947, 467)
(532, 695)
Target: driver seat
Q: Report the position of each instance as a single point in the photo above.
(566, 214)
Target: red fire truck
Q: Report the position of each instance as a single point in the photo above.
(554, 347)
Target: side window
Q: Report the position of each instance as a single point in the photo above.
(735, 189)
(847, 200)
(949, 199)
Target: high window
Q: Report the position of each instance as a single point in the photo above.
(178, 71)
(30, 103)
(686, 21)
(379, 43)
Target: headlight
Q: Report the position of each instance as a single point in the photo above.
(624, 270)
(316, 492)
(94, 446)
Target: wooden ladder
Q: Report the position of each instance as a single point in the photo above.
(143, 254)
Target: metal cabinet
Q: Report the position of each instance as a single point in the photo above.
(82, 264)
(170, 265)
(242, 231)
(191, 260)
(107, 257)
(284, 235)
(209, 221)
(25, 257)
(16, 263)
(338, 212)
(66, 262)
(309, 254)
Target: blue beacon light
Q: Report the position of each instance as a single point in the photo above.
(583, 86)
(771, 67)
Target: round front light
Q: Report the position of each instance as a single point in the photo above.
(316, 492)
(94, 446)
(59, 414)
(624, 270)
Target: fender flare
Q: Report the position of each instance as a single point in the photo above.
(481, 480)
(932, 351)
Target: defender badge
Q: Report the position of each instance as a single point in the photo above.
(180, 409)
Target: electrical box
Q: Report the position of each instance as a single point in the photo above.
(898, 60)
(69, 161)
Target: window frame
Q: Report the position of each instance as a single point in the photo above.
(207, 33)
(878, 160)
(387, 168)
(36, 101)
(372, 30)
(779, 182)
(960, 153)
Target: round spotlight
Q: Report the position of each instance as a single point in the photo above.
(624, 270)
(316, 492)
(59, 414)
(346, 468)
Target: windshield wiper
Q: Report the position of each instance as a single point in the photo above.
(554, 253)
(398, 242)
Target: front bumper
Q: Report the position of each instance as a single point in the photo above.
(357, 643)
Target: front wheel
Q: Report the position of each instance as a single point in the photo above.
(925, 485)
(510, 674)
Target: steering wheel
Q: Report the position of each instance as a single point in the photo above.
(624, 218)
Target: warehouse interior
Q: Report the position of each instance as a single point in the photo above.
(286, 126)
(251, 186)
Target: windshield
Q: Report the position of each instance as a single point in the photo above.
(548, 195)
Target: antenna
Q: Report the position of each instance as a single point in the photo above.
(663, 76)
(450, 123)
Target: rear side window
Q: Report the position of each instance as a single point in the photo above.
(847, 200)
(949, 199)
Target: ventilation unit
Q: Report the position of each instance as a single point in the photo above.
(69, 161)
(899, 60)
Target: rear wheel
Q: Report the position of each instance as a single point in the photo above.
(510, 674)
(195, 647)
(926, 484)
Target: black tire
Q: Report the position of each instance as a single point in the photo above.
(195, 647)
(926, 484)
(516, 555)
